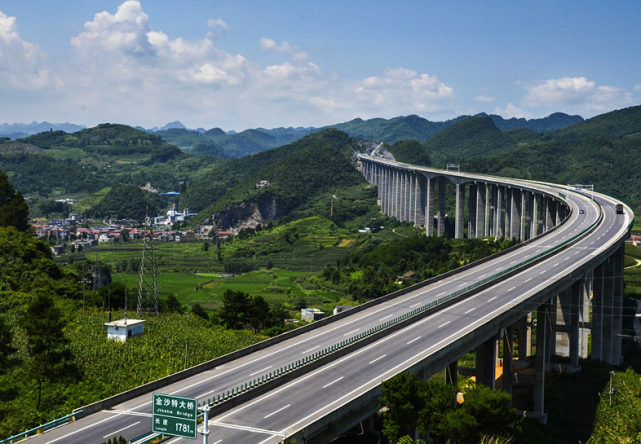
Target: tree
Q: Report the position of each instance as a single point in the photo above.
(6, 349)
(206, 247)
(199, 311)
(402, 397)
(13, 209)
(174, 305)
(49, 357)
(259, 314)
(233, 314)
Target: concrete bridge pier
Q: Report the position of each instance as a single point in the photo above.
(440, 229)
(524, 332)
(459, 222)
(486, 355)
(498, 220)
(429, 207)
(508, 355)
(542, 331)
(471, 211)
(481, 209)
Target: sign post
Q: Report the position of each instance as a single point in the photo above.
(205, 429)
(174, 415)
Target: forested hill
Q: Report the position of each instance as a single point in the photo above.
(295, 172)
(471, 137)
(417, 128)
(604, 151)
(616, 124)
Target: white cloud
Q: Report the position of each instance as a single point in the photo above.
(637, 88)
(484, 99)
(576, 95)
(512, 110)
(406, 91)
(220, 28)
(22, 63)
(123, 70)
(294, 51)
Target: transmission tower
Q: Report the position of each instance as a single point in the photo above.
(148, 291)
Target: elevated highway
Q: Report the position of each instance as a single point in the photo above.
(578, 246)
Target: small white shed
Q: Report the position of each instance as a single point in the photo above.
(124, 328)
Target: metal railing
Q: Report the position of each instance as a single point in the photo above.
(42, 428)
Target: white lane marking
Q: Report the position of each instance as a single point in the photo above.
(511, 289)
(543, 272)
(513, 262)
(219, 441)
(414, 340)
(490, 300)
(267, 368)
(209, 392)
(118, 431)
(333, 382)
(555, 264)
(470, 310)
(443, 325)
(245, 428)
(418, 303)
(484, 275)
(567, 258)
(440, 294)
(528, 280)
(279, 410)
(499, 269)
(178, 439)
(463, 284)
(382, 319)
(351, 332)
(377, 359)
(84, 428)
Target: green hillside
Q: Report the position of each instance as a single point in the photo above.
(475, 136)
(410, 151)
(213, 185)
(296, 172)
(620, 123)
(576, 155)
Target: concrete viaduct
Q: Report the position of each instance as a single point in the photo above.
(564, 281)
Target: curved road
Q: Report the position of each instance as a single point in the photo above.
(283, 411)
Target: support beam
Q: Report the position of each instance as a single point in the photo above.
(508, 354)
(597, 313)
(429, 207)
(539, 367)
(486, 363)
(460, 212)
(471, 211)
(441, 207)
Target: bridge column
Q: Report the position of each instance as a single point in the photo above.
(597, 313)
(482, 210)
(397, 194)
(580, 312)
(385, 190)
(524, 332)
(515, 217)
(617, 306)
(440, 230)
(459, 226)
(534, 215)
(419, 198)
(523, 218)
(401, 195)
(508, 355)
(408, 196)
(471, 211)
(507, 229)
(608, 311)
(541, 352)
(429, 208)
(498, 225)
(486, 363)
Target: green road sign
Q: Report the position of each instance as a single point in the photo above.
(174, 415)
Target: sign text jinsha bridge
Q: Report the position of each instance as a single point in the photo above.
(174, 415)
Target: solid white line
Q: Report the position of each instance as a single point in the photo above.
(414, 340)
(209, 392)
(443, 325)
(377, 359)
(327, 385)
(84, 428)
(279, 410)
(267, 368)
(354, 331)
(470, 310)
(124, 428)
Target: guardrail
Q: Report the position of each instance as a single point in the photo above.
(340, 346)
(43, 428)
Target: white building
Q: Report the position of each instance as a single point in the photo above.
(124, 328)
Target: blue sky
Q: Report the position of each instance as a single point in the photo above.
(245, 64)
